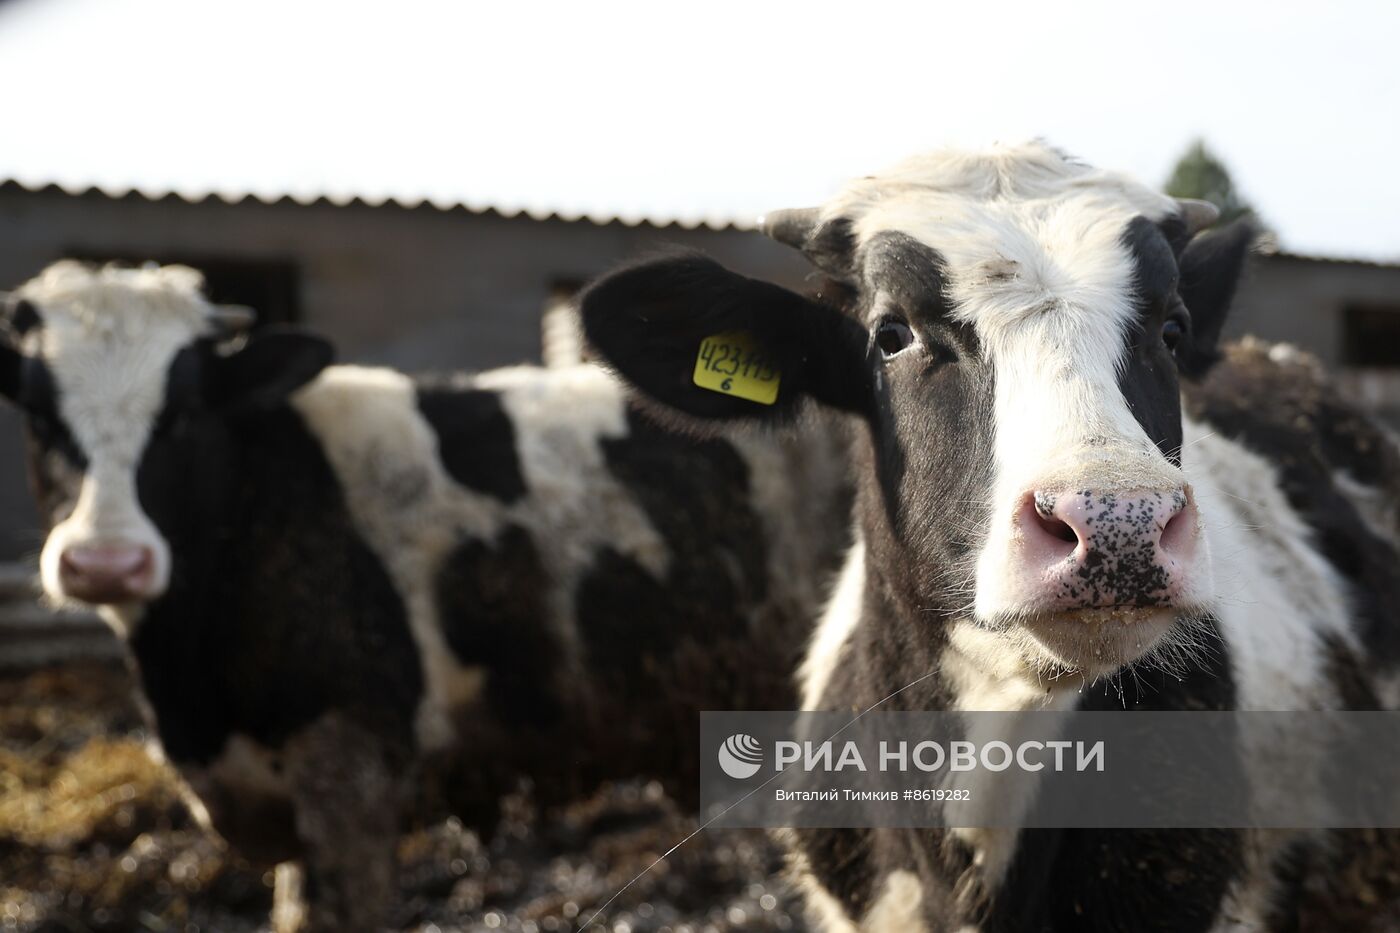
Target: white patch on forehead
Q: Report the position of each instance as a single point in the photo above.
(1034, 259)
(1026, 235)
(945, 188)
(1031, 241)
(115, 300)
(108, 338)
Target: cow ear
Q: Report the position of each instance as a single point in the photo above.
(262, 374)
(1210, 269)
(650, 322)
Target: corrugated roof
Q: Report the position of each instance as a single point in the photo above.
(234, 198)
(1269, 247)
(1333, 260)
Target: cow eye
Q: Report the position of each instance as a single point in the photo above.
(893, 336)
(1174, 330)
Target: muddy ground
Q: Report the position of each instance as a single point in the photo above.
(93, 837)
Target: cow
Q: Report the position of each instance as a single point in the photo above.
(351, 596)
(1039, 525)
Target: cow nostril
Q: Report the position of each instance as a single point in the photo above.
(1177, 531)
(142, 564)
(1056, 528)
(1050, 537)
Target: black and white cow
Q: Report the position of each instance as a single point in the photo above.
(1038, 525)
(336, 581)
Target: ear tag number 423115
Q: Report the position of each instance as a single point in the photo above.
(733, 364)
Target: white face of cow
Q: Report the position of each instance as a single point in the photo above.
(99, 348)
(1011, 328)
(1061, 277)
(130, 402)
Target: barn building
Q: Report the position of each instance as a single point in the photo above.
(451, 286)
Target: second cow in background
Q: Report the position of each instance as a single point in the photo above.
(334, 581)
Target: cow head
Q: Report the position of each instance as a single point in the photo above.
(129, 388)
(1012, 326)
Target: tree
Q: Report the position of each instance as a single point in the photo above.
(1199, 174)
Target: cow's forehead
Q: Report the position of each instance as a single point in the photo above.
(109, 306)
(108, 337)
(1032, 177)
(1014, 229)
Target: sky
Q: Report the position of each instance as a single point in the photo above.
(717, 110)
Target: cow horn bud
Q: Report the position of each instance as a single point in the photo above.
(233, 319)
(1197, 214)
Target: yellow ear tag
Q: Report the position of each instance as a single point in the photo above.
(732, 364)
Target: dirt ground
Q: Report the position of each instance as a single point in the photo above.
(94, 837)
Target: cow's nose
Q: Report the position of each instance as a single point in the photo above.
(1086, 548)
(107, 573)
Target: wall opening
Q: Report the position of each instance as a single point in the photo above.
(1371, 336)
